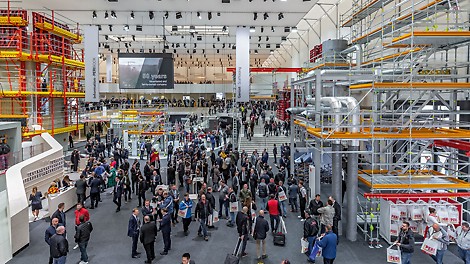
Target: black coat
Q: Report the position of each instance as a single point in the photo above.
(81, 186)
(148, 232)
(242, 223)
(59, 246)
(83, 232)
(61, 216)
(95, 185)
(261, 228)
(337, 207)
(165, 225)
(203, 210)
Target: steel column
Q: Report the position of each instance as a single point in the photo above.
(351, 224)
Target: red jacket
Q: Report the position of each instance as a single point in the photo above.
(273, 207)
(78, 213)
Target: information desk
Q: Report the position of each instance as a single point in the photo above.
(68, 197)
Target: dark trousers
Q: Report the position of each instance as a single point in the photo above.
(244, 241)
(150, 251)
(223, 203)
(50, 259)
(328, 261)
(166, 241)
(303, 202)
(141, 198)
(127, 194)
(83, 253)
(174, 215)
(135, 238)
(117, 201)
(94, 199)
(335, 228)
(186, 223)
(81, 198)
(274, 226)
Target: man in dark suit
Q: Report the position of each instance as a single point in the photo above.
(165, 227)
(117, 194)
(337, 217)
(148, 232)
(147, 210)
(81, 186)
(60, 214)
(141, 188)
(133, 231)
(95, 188)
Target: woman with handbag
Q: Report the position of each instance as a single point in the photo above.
(36, 203)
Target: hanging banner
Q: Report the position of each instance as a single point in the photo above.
(91, 64)
(242, 72)
(109, 68)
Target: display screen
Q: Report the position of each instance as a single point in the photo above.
(146, 71)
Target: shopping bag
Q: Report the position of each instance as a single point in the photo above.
(429, 246)
(182, 213)
(394, 212)
(253, 214)
(283, 224)
(393, 255)
(282, 196)
(303, 245)
(451, 232)
(454, 217)
(233, 207)
(316, 251)
(215, 216)
(443, 214)
(413, 226)
(402, 208)
(394, 228)
(414, 211)
(210, 220)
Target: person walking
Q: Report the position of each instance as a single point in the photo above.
(232, 198)
(275, 154)
(81, 186)
(80, 211)
(148, 232)
(36, 202)
(438, 233)
(302, 199)
(59, 246)
(117, 194)
(60, 214)
(311, 229)
(186, 204)
(50, 231)
(463, 242)
(406, 242)
(281, 189)
(175, 195)
(203, 210)
(133, 229)
(95, 188)
(327, 214)
(259, 234)
(223, 199)
(262, 191)
(165, 227)
(242, 228)
(82, 236)
(293, 194)
(327, 242)
(70, 141)
(274, 210)
(75, 159)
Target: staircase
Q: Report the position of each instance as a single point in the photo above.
(259, 142)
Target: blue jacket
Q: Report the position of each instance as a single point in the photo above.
(168, 204)
(133, 227)
(328, 245)
(186, 204)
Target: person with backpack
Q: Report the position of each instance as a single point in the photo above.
(232, 198)
(311, 229)
(262, 191)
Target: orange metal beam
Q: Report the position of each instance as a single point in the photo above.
(414, 85)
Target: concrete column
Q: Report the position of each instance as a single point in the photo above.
(318, 165)
(351, 193)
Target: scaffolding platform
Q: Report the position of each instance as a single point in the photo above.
(365, 11)
(46, 26)
(53, 94)
(395, 56)
(17, 21)
(434, 38)
(60, 130)
(337, 65)
(413, 180)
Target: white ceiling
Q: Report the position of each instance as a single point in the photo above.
(236, 13)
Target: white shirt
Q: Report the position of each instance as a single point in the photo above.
(463, 238)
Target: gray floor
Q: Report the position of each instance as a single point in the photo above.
(109, 243)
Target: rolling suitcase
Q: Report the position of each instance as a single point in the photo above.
(233, 258)
(279, 239)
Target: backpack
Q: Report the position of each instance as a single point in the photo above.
(262, 191)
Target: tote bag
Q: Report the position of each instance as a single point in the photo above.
(393, 255)
(303, 245)
(233, 207)
(182, 213)
(429, 246)
(282, 196)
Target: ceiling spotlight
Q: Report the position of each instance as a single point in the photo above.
(280, 16)
(262, 29)
(166, 15)
(132, 15)
(94, 14)
(255, 16)
(126, 27)
(199, 15)
(218, 51)
(110, 27)
(133, 37)
(294, 29)
(218, 38)
(267, 38)
(259, 38)
(223, 46)
(286, 29)
(256, 51)
(151, 15)
(272, 29)
(259, 45)
(106, 37)
(283, 38)
(174, 28)
(195, 45)
(213, 46)
(194, 51)
(271, 52)
(178, 15)
(106, 15)
(278, 46)
(192, 29)
(209, 15)
(174, 51)
(138, 27)
(252, 29)
(113, 14)
(224, 29)
(99, 27)
(265, 16)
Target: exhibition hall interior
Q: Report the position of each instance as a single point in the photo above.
(234, 131)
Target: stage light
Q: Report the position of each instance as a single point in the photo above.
(94, 14)
(280, 16)
(265, 16)
(110, 27)
(294, 29)
(113, 14)
(199, 15)
(151, 15)
(132, 15)
(106, 15)
(166, 15)
(255, 16)
(252, 29)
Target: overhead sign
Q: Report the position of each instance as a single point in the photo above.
(242, 72)
(92, 93)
